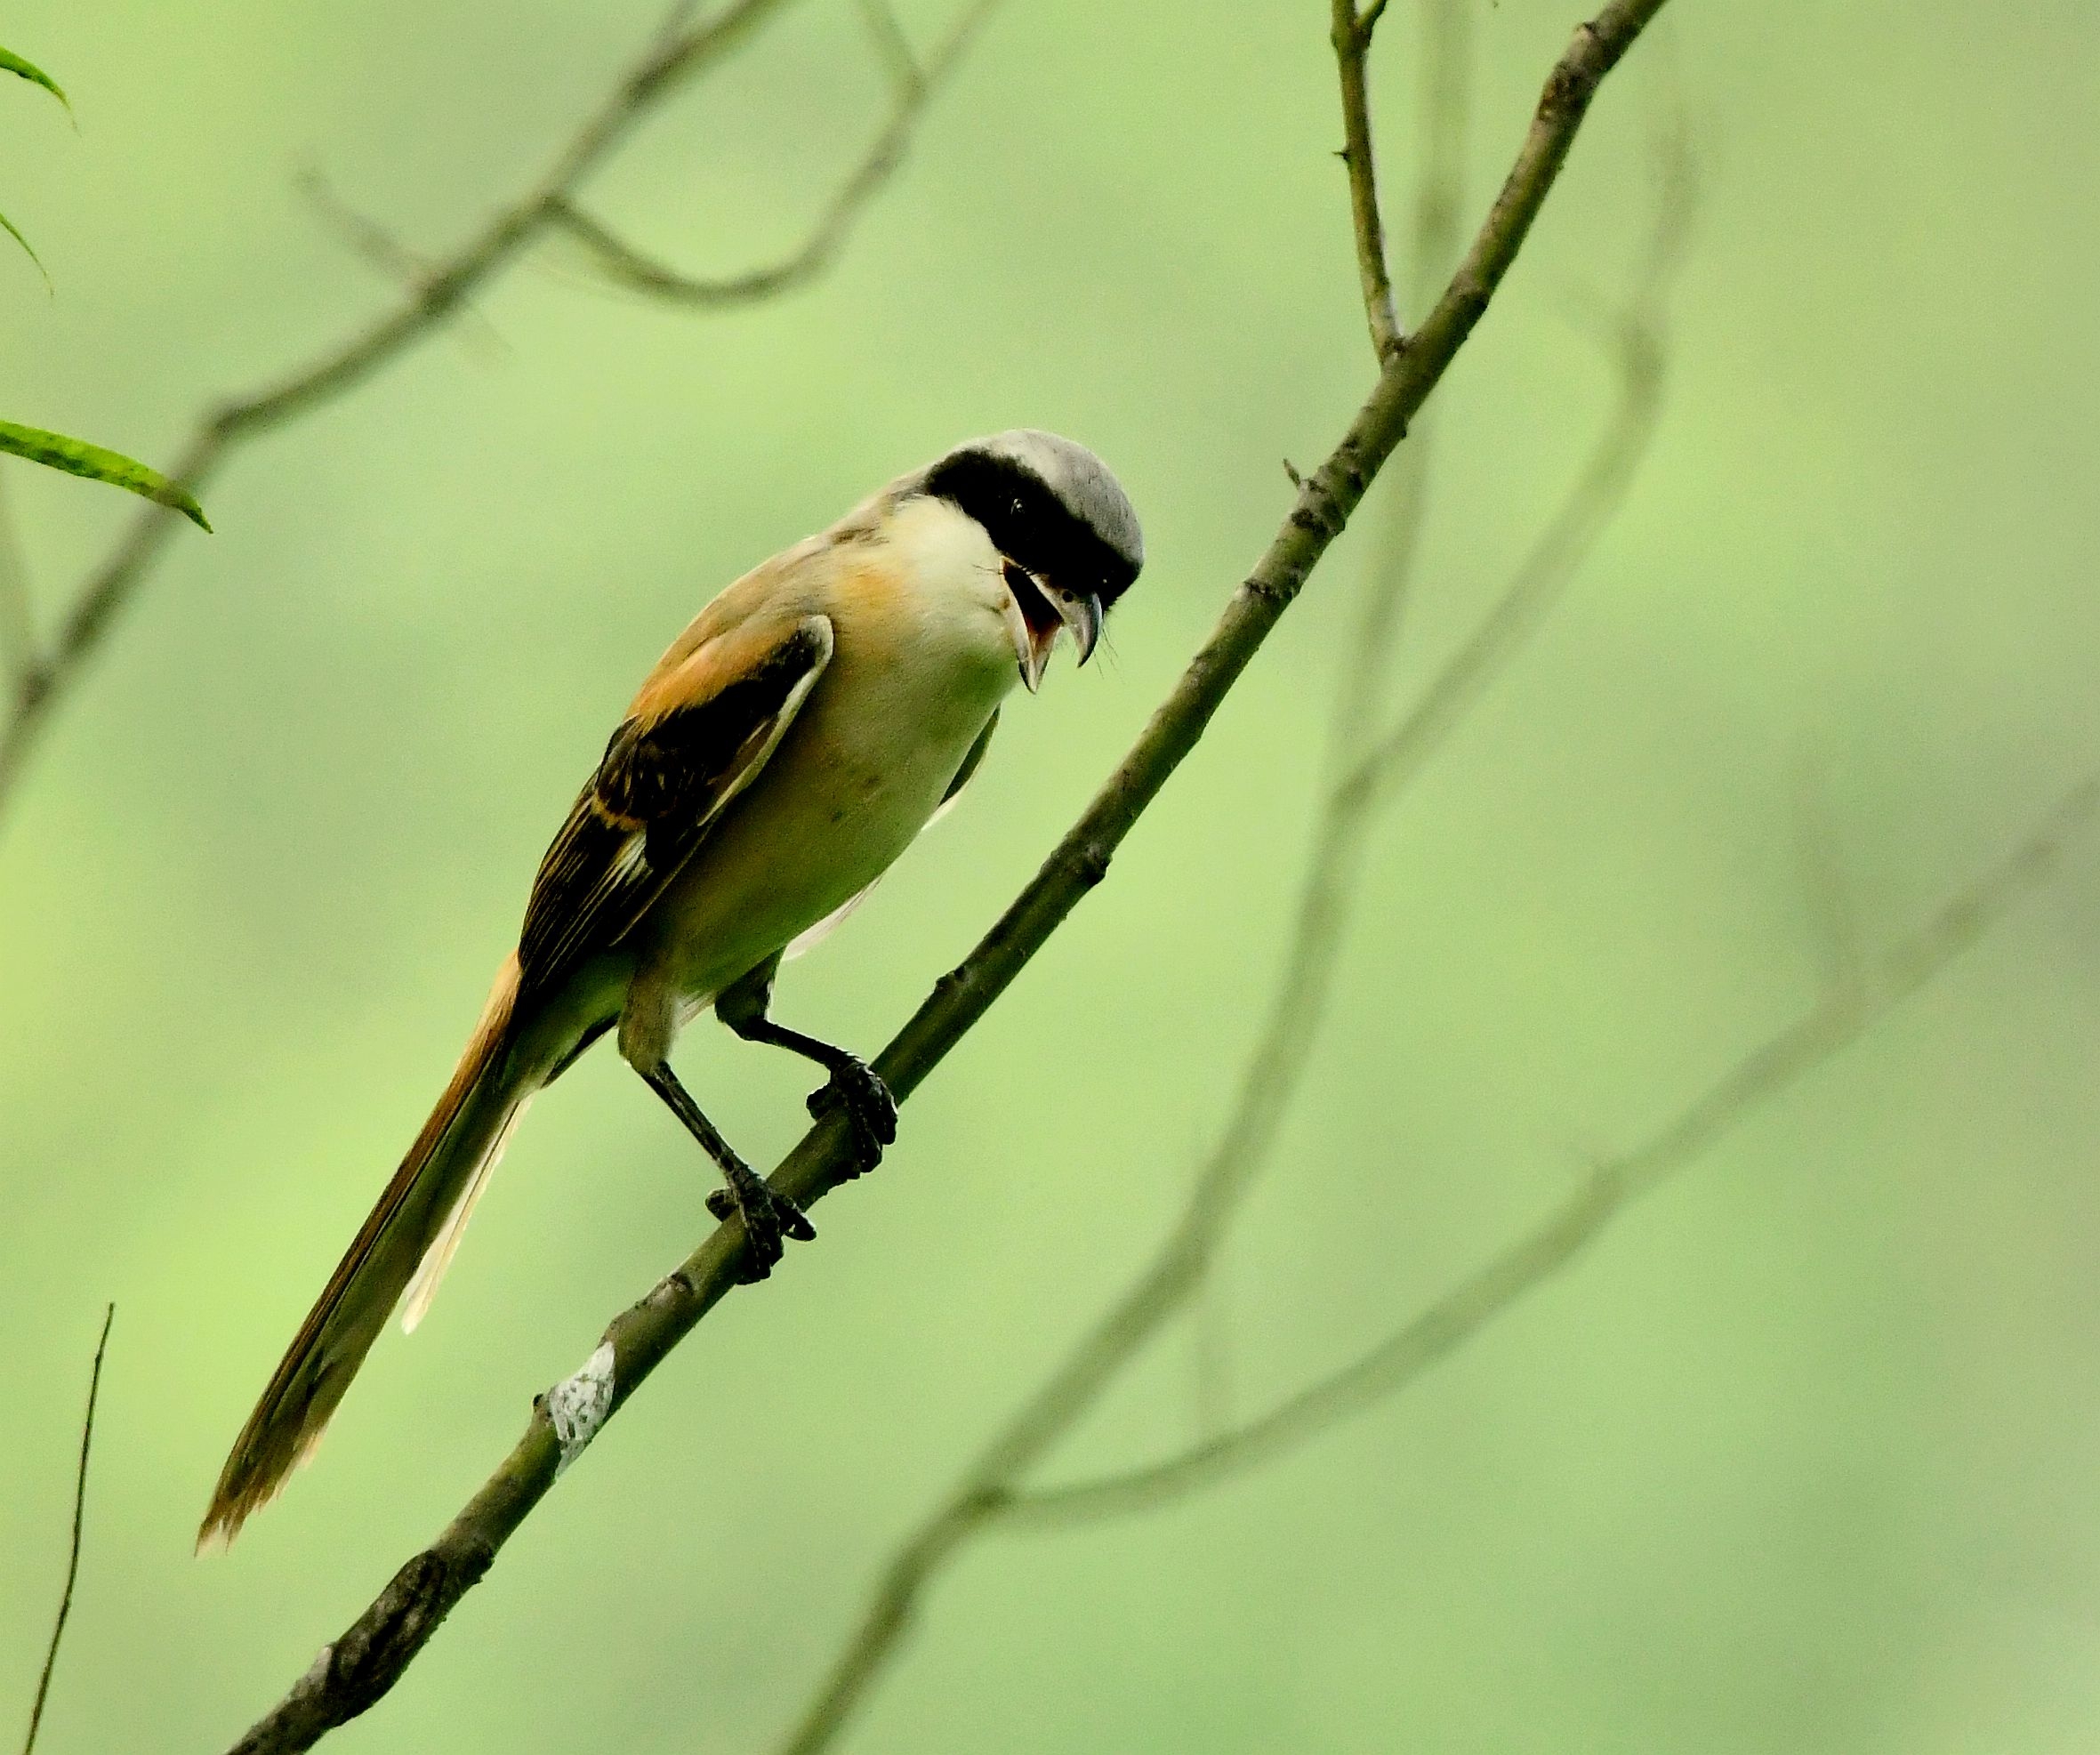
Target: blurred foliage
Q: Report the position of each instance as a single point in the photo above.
(55, 450)
(1796, 1459)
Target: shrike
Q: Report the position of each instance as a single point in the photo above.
(783, 753)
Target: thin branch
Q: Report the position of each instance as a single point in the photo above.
(1445, 107)
(1444, 101)
(895, 47)
(366, 239)
(626, 266)
(378, 249)
(377, 1648)
(1393, 760)
(1182, 1266)
(679, 51)
(1843, 1013)
(1351, 36)
(58, 1628)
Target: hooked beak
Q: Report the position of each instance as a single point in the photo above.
(1037, 612)
(1083, 615)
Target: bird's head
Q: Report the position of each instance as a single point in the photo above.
(1066, 534)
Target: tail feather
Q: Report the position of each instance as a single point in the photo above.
(430, 1272)
(402, 1249)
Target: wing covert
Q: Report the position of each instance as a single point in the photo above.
(666, 775)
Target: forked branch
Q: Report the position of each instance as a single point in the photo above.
(1186, 1261)
(624, 265)
(1843, 1012)
(378, 1647)
(433, 293)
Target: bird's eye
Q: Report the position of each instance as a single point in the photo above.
(1017, 508)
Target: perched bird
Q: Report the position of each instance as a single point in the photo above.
(790, 744)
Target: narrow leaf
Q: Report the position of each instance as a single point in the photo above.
(77, 456)
(11, 62)
(9, 226)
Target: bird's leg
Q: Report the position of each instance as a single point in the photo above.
(767, 1214)
(854, 1085)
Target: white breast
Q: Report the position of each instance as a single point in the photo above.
(921, 659)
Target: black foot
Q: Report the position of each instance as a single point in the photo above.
(769, 1216)
(858, 1089)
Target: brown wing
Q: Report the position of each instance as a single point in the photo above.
(667, 773)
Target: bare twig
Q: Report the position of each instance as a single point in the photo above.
(1444, 99)
(1445, 108)
(365, 236)
(1182, 1266)
(621, 262)
(1393, 760)
(679, 53)
(57, 1627)
(377, 1648)
(1351, 34)
(894, 45)
(1845, 1012)
(380, 250)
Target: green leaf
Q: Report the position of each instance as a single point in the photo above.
(11, 62)
(77, 456)
(8, 225)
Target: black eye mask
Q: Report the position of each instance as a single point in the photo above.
(1028, 523)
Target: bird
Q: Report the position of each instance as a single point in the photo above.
(784, 750)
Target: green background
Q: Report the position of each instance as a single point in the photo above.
(1802, 1457)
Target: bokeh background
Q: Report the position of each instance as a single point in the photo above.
(1801, 1458)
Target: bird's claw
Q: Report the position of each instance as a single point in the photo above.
(871, 1111)
(768, 1217)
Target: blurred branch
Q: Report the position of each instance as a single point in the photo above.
(58, 1628)
(680, 51)
(378, 249)
(1351, 35)
(366, 239)
(1444, 108)
(620, 261)
(372, 1654)
(1443, 104)
(1183, 1263)
(1636, 338)
(1843, 1013)
(894, 45)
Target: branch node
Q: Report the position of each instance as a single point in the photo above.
(1088, 862)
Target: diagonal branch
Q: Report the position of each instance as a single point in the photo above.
(1184, 1263)
(376, 1649)
(58, 1626)
(622, 264)
(680, 51)
(1843, 1013)
(1351, 34)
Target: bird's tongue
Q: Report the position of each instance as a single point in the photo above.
(1041, 618)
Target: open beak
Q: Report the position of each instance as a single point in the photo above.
(1037, 612)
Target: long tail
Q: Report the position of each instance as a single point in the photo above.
(403, 1248)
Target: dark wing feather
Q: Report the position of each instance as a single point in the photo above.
(663, 781)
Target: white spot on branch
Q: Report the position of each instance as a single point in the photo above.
(577, 1405)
